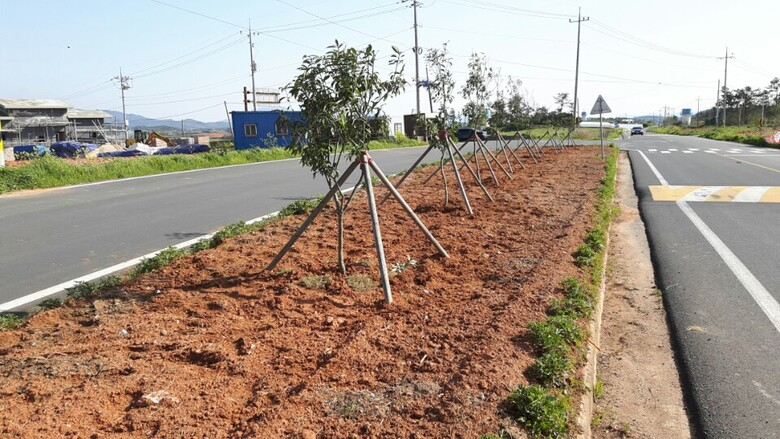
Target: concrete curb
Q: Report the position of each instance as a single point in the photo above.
(585, 412)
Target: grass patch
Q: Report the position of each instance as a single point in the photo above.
(543, 413)
(740, 134)
(315, 282)
(360, 283)
(50, 171)
(10, 321)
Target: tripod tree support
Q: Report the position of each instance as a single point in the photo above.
(366, 164)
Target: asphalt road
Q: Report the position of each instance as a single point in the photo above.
(51, 237)
(716, 253)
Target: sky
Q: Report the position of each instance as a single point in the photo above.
(186, 58)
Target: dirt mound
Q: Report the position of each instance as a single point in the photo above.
(214, 346)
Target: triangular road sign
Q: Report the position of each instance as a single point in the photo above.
(600, 107)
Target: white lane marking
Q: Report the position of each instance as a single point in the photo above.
(652, 150)
(666, 152)
(751, 194)
(760, 295)
(687, 152)
(701, 194)
(32, 297)
(658, 175)
(766, 394)
(673, 149)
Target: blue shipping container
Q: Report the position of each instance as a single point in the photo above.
(261, 129)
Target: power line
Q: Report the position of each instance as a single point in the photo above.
(622, 36)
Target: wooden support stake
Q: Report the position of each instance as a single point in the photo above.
(380, 249)
(405, 205)
(406, 174)
(331, 193)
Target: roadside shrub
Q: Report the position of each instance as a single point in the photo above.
(300, 207)
(162, 259)
(85, 290)
(50, 303)
(576, 303)
(10, 321)
(551, 369)
(541, 412)
(584, 256)
(546, 338)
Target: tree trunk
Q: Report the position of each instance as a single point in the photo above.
(340, 239)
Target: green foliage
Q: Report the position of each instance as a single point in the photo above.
(442, 86)
(546, 338)
(339, 93)
(584, 256)
(576, 303)
(10, 321)
(400, 266)
(158, 261)
(598, 389)
(300, 207)
(50, 171)
(476, 90)
(86, 290)
(502, 434)
(551, 369)
(540, 411)
(50, 303)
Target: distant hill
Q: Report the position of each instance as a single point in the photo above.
(138, 121)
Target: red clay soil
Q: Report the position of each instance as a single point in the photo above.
(214, 346)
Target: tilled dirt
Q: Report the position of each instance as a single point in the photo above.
(214, 345)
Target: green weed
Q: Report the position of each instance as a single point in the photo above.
(540, 411)
(50, 303)
(86, 290)
(552, 369)
(10, 321)
(158, 261)
(300, 207)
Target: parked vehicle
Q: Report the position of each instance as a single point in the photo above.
(464, 134)
(637, 130)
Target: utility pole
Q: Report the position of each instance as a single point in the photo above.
(252, 65)
(698, 109)
(579, 21)
(725, 77)
(417, 52)
(124, 84)
(717, 103)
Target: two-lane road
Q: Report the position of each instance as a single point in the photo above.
(712, 213)
(54, 236)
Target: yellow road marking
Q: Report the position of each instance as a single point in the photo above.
(749, 194)
(771, 196)
(671, 193)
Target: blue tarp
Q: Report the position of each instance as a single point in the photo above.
(24, 152)
(125, 153)
(69, 148)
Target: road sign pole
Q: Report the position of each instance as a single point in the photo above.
(601, 134)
